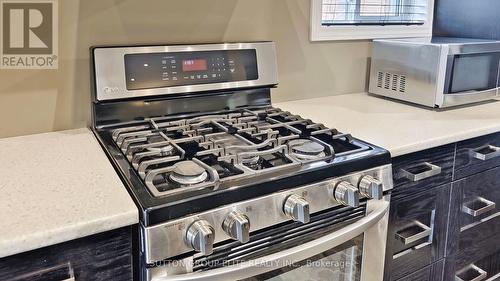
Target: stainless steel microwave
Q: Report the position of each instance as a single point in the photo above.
(436, 72)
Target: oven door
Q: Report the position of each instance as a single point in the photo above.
(471, 77)
(339, 244)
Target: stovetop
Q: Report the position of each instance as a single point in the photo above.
(207, 158)
(178, 156)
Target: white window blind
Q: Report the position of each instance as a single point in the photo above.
(374, 12)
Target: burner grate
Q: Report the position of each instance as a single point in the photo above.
(236, 144)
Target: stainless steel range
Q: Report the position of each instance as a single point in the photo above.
(229, 187)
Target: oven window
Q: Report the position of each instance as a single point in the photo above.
(342, 263)
(476, 72)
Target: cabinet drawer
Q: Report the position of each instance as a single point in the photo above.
(422, 170)
(417, 231)
(477, 155)
(433, 272)
(474, 211)
(484, 268)
(104, 256)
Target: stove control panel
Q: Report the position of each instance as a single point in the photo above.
(238, 220)
(158, 70)
(141, 71)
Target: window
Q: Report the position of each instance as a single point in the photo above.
(370, 19)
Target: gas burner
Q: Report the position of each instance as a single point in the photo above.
(166, 150)
(250, 161)
(188, 173)
(306, 149)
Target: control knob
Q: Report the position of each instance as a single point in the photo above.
(346, 194)
(200, 236)
(237, 226)
(296, 208)
(371, 187)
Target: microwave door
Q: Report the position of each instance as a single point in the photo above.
(471, 78)
(346, 253)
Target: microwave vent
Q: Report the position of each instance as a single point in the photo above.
(394, 85)
(380, 77)
(390, 81)
(387, 81)
(402, 83)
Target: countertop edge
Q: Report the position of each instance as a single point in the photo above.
(432, 143)
(61, 235)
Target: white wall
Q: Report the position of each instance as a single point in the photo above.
(45, 100)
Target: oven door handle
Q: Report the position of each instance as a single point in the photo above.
(281, 259)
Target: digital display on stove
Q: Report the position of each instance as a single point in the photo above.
(194, 65)
(171, 69)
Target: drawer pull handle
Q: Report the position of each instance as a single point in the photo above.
(486, 152)
(408, 235)
(471, 273)
(478, 207)
(432, 170)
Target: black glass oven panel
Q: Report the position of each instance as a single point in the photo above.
(474, 72)
(170, 69)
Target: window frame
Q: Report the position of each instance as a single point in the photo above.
(318, 32)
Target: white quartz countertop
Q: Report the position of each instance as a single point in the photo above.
(57, 187)
(398, 127)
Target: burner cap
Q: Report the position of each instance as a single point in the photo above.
(163, 150)
(306, 147)
(250, 161)
(188, 172)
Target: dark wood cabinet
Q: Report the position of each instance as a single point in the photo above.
(486, 267)
(433, 272)
(463, 181)
(476, 155)
(104, 256)
(421, 170)
(474, 212)
(417, 232)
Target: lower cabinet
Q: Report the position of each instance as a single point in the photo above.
(474, 214)
(104, 256)
(473, 248)
(417, 232)
(433, 272)
(480, 269)
(456, 224)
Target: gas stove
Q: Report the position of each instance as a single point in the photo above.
(208, 159)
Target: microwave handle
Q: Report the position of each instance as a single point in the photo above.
(275, 261)
(471, 96)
